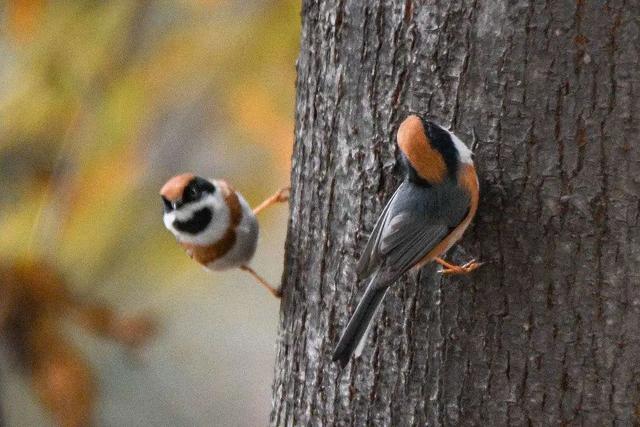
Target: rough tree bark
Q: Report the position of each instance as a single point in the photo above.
(548, 332)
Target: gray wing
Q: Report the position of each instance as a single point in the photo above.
(414, 221)
(367, 263)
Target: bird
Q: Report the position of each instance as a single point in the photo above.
(427, 214)
(214, 223)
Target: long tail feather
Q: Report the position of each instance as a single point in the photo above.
(355, 333)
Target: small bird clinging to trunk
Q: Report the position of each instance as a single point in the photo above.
(426, 215)
(214, 223)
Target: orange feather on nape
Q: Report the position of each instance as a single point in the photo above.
(425, 159)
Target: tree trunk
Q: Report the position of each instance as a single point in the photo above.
(548, 331)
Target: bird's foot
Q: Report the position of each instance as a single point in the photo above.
(282, 195)
(451, 269)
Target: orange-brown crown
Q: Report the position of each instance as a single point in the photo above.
(172, 190)
(421, 154)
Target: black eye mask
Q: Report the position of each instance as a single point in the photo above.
(196, 189)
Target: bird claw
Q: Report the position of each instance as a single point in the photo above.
(283, 194)
(462, 269)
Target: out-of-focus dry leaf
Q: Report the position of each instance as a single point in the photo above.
(23, 18)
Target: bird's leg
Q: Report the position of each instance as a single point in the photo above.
(280, 196)
(262, 282)
(457, 269)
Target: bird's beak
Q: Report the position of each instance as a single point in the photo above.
(168, 205)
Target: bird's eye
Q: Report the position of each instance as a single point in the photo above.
(193, 193)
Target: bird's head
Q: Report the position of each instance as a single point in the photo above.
(195, 211)
(431, 153)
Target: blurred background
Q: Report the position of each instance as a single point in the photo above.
(100, 103)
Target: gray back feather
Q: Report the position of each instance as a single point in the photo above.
(413, 222)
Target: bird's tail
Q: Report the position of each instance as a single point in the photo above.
(355, 334)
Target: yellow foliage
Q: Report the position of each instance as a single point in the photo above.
(117, 96)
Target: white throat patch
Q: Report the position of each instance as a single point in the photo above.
(463, 151)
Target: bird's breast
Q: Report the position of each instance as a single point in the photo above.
(236, 246)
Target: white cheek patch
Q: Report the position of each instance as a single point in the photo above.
(216, 228)
(463, 151)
